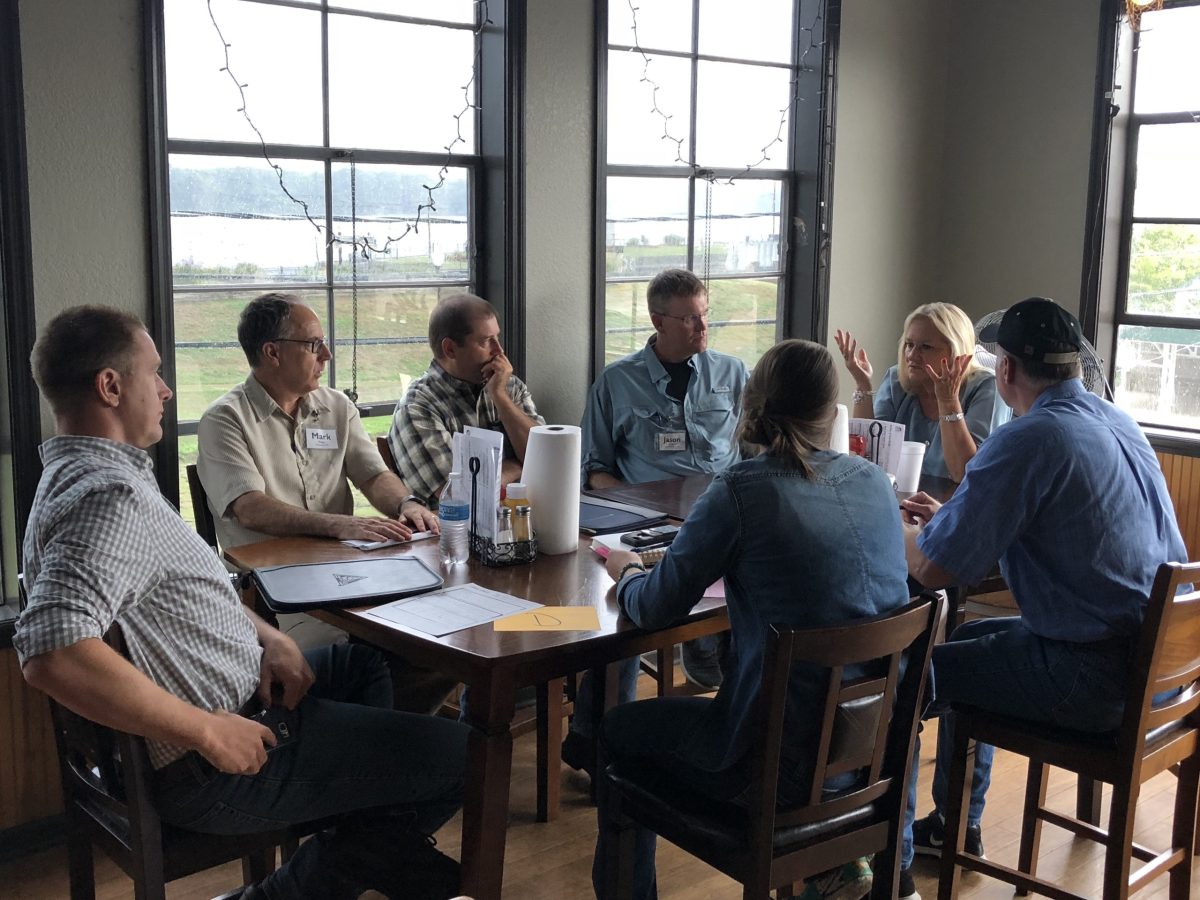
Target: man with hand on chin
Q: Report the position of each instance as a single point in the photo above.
(104, 549)
(470, 382)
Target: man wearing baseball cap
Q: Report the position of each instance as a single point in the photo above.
(1070, 499)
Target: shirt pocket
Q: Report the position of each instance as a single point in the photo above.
(644, 424)
(714, 419)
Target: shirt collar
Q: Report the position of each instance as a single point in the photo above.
(658, 372)
(1064, 390)
(124, 455)
(456, 384)
(264, 404)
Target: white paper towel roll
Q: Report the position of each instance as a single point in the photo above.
(551, 474)
(839, 438)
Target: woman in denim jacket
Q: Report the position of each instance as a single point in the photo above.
(803, 536)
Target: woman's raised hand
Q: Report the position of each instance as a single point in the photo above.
(947, 379)
(856, 360)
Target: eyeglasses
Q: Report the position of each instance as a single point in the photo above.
(691, 320)
(315, 345)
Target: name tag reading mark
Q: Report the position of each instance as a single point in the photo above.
(671, 441)
(321, 438)
(722, 389)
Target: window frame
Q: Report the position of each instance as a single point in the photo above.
(496, 200)
(1125, 167)
(802, 298)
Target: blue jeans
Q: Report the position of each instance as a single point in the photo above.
(656, 732)
(399, 773)
(1001, 666)
(586, 711)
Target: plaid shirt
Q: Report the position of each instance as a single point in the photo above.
(436, 407)
(104, 546)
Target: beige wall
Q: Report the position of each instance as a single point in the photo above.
(85, 139)
(1020, 86)
(559, 148)
(887, 163)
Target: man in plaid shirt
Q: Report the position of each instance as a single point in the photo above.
(469, 382)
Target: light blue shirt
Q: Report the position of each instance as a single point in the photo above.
(1071, 500)
(632, 429)
(800, 551)
(983, 408)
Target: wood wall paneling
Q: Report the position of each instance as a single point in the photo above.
(1183, 481)
(29, 781)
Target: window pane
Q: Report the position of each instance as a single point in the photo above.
(749, 29)
(271, 52)
(664, 24)
(208, 359)
(386, 202)
(745, 226)
(1164, 270)
(647, 225)
(439, 10)
(397, 86)
(230, 222)
(1168, 171)
(740, 113)
(742, 317)
(636, 133)
(1168, 67)
(1158, 374)
(393, 338)
(626, 321)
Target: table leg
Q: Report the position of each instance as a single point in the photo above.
(489, 771)
(549, 748)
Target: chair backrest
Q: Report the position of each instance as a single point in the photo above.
(1167, 656)
(206, 526)
(385, 450)
(867, 724)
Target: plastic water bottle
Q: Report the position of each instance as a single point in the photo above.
(454, 515)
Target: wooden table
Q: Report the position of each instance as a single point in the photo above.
(495, 664)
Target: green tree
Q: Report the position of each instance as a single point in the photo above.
(1164, 270)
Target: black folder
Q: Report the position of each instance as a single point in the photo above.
(362, 582)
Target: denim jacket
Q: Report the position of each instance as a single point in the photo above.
(792, 550)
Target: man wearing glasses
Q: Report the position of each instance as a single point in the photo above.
(669, 409)
(277, 455)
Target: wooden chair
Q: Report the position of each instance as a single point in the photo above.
(867, 725)
(108, 803)
(1150, 739)
(206, 526)
(385, 450)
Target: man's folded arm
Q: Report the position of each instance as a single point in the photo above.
(93, 680)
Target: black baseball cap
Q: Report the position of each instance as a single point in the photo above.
(1037, 329)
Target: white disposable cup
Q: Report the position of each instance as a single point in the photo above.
(908, 473)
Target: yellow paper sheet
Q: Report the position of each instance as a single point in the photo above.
(552, 618)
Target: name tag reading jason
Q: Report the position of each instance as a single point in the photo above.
(671, 441)
(321, 438)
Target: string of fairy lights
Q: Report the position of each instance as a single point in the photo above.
(364, 245)
(699, 171)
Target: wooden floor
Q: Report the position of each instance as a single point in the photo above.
(553, 861)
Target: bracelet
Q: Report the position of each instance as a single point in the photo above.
(630, 565)
(954, 417)
(859, 396)
(412, 497)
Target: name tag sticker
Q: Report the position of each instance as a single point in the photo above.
(671, 441)
(321, 438)
(722, 389)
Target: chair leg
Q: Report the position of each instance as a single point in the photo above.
(1089, 798)
(258, 865)
(1120, 841)
(1184, 827)
(885, 868)
(549, 748)
(288, 849)
(620, 834)
(962, 767)
(81, 870)
(1031, 820)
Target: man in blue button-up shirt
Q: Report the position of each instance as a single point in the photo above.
(1070, 499)
(668, 410)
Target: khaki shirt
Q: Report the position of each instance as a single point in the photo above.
(247, 443)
